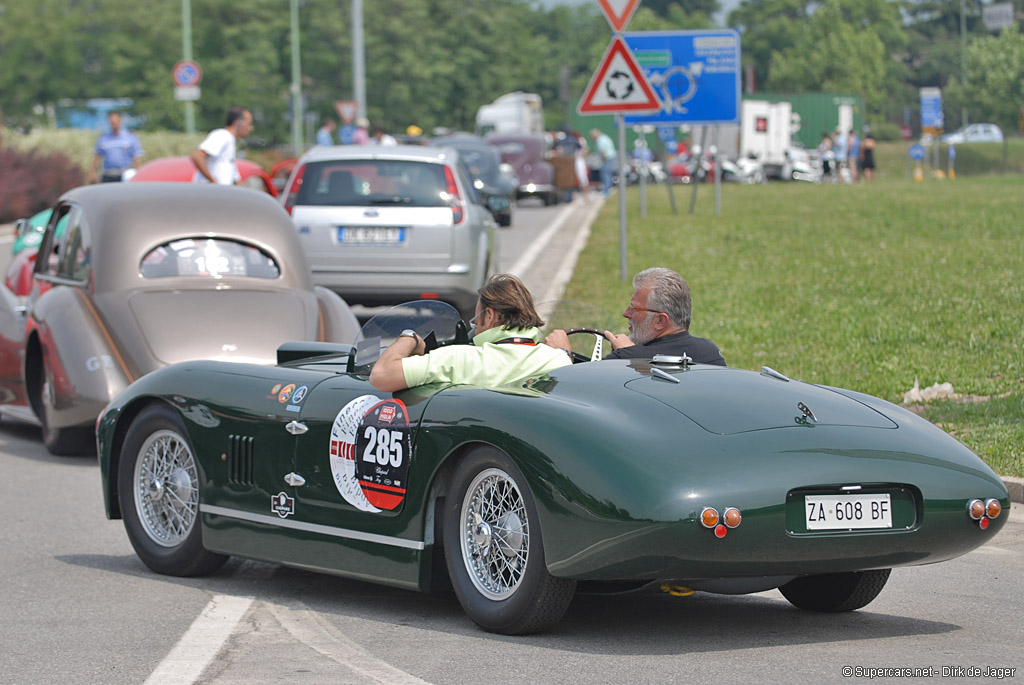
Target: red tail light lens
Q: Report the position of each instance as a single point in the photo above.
(292, 194)
(458, 208)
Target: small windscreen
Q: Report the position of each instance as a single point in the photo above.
(208, 257)
(374, 183)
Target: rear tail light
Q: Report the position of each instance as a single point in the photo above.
(720, 525)
(993, 508)
(454, 199)
(731, 517)
(984, 512)
(709, 517)
(292, 194)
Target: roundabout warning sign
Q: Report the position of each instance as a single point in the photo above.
(618, 85)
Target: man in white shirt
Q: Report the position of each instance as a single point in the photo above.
(215, 156)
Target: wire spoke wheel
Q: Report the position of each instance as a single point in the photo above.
(496, 534)
(166, 487)
(494, 549)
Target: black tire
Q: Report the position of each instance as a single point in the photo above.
(161, 509)
(497, 589)
(72, 441)
(835, 592)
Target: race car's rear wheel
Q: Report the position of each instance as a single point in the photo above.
(158, 483)
(493, 548)
(835, 592)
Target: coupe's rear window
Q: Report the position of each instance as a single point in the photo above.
(374, 183)
(209, 257)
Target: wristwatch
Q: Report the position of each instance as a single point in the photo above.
(409, 333)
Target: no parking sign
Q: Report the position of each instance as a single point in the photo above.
(187, 76)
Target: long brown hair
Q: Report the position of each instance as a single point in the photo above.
(511, 301)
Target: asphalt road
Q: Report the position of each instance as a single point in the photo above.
(79, 607)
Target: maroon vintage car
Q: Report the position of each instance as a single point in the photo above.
(528, 155)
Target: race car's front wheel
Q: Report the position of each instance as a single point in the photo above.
(835, 592)
(158, 486)
(493, 548)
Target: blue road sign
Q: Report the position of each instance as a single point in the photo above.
(916, 152)
(931, 109)
(695, 74)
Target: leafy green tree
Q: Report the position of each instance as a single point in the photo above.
(671, 9)
(995, 80)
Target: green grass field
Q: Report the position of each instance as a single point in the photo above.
(868, 287)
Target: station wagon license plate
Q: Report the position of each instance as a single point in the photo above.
(378, 235)
(845, 512)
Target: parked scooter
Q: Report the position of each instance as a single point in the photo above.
(744, 170)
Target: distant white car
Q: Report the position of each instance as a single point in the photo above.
(974, 133)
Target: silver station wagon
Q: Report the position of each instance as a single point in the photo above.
(385, 225)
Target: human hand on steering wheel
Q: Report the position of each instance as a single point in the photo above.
(560, 338)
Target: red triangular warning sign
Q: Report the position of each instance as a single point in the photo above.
(618, 12)
(618, 85)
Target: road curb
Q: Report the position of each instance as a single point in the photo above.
(1016, 488)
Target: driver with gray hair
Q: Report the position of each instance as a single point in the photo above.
(659, 322)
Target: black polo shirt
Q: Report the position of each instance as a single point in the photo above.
(700, 350)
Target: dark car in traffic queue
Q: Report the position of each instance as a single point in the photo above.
(130, 277)
(521, 495)
(494, 179)
(529, 156)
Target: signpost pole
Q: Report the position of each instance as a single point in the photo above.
(620, 121)
(186, 49)
(297, 113)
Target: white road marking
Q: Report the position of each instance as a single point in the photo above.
(201, 642)
(526, 259)
(309, 628)
(564, 273)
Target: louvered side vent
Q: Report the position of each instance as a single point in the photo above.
(240, 459)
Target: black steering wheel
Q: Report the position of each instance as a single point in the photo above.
(599, 342)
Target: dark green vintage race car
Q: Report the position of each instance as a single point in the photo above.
(611, 475)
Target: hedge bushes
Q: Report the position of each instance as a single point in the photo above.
(31, 181)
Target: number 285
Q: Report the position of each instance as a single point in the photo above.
(383, 446)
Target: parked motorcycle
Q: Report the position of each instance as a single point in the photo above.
(743, 170)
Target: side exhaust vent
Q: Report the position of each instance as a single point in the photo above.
(240, 459)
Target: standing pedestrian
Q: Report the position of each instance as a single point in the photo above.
(380, 137)
(605, 148)
(118, 150)
(839, 149)
(867, 157)
(325, 134)
(825, 151)
(361, 136)
(854, 155)
(215, 156)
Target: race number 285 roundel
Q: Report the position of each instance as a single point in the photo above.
(383, 448)
(370, 450)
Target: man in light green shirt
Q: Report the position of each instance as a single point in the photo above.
(507, 346)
